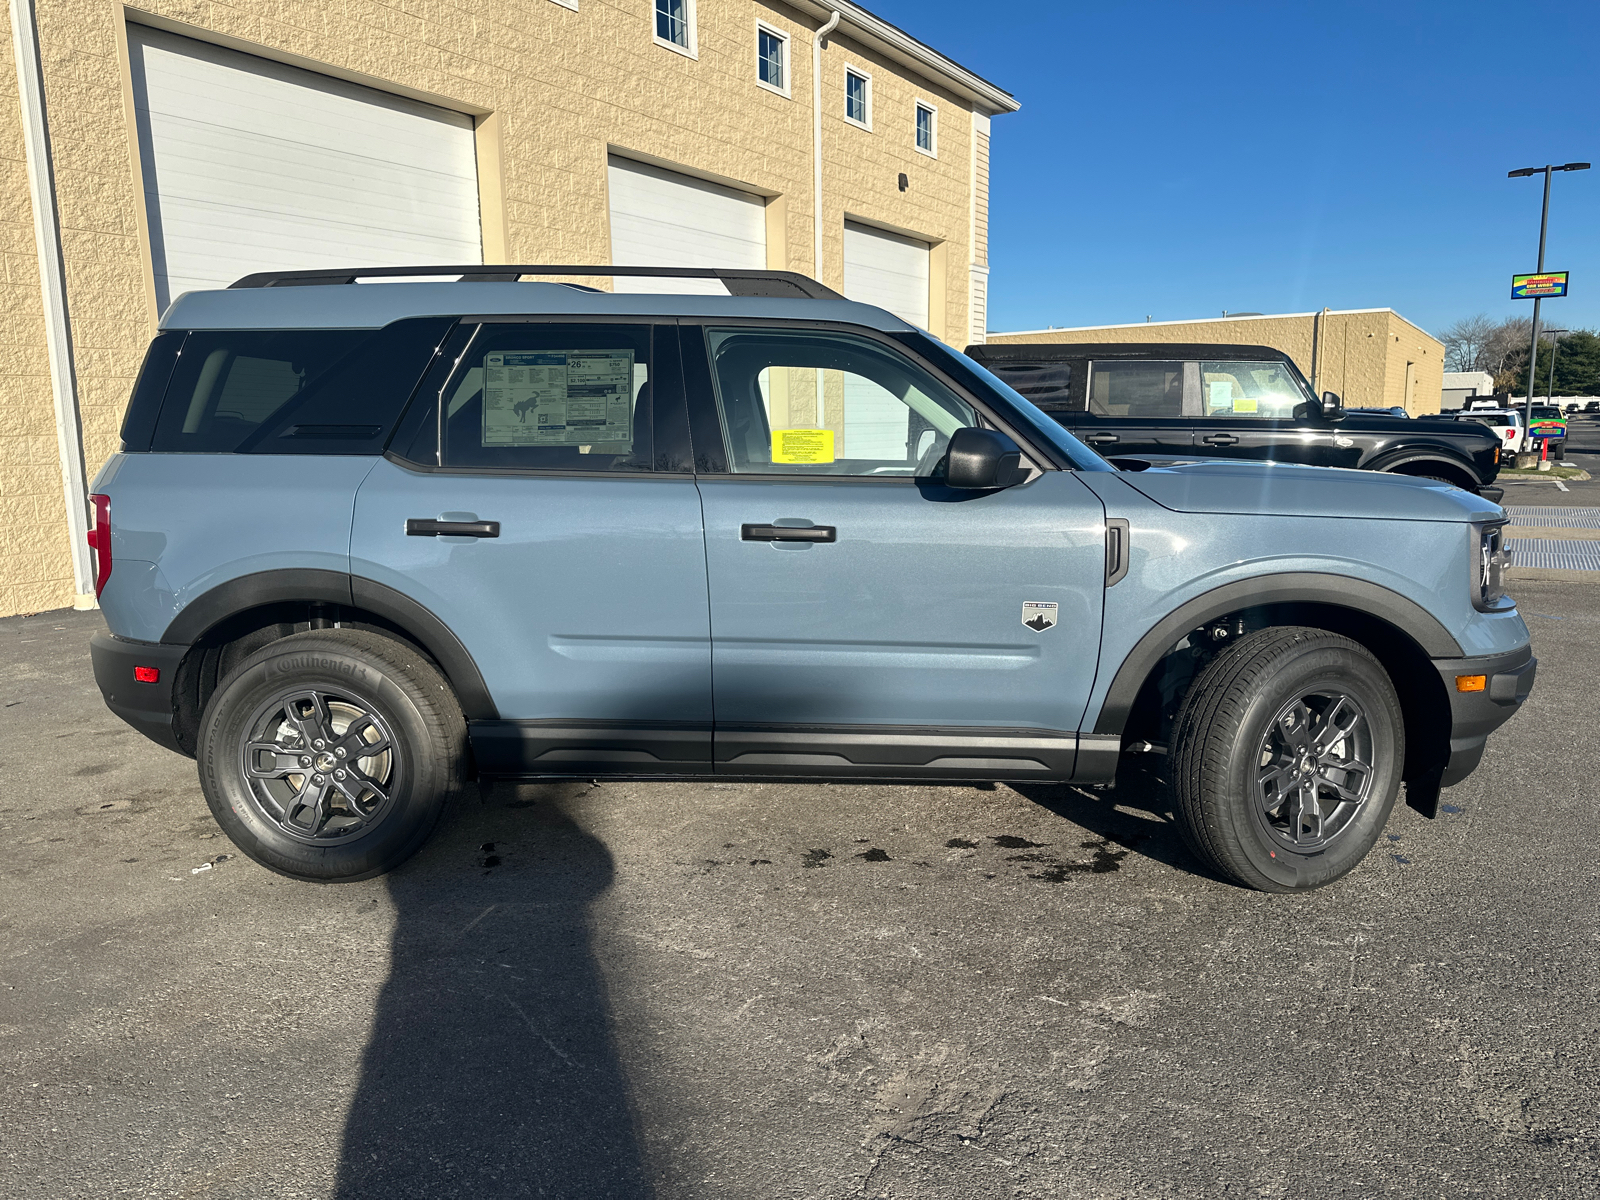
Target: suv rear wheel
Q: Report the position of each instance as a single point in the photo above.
(1286, 758)
(330, 756)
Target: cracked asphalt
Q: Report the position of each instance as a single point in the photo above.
(724, 990)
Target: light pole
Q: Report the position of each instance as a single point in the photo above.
(1555, 347)
(1544, 221)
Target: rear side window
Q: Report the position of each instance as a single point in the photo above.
(294, 391)
(1136, 389)
(1045, 383)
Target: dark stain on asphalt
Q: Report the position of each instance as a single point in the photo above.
(99, 769)
(961, 844)
(1053, 870)
(487, 847)
(1393, 837)
(760, 862)
(814, 858)
(874, 855)
(1451, 808)
(1008, 841)
(522, 804)
(1399, 859)
(492, 861)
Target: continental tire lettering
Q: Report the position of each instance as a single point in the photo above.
(310, 662)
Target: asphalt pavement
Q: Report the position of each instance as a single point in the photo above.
(714, 990)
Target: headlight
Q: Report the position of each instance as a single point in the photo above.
(1488, 566)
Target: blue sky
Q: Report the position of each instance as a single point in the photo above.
(1178, 159)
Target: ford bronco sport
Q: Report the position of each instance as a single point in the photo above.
(366, 541)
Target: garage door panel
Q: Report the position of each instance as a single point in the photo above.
(661, 218)
(252, 165)
(890, 271)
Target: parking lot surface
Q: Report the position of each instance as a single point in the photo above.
(761, 991)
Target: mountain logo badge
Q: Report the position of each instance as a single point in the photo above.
(1039, 615)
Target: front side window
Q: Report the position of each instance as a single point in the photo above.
(545, 397)
(1266, 390)
(819, 403)
(925, 129)
(673, 22)
(857, 98)
(1136, 389)
(772, 69)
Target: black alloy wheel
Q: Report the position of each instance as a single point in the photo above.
(1316, 770)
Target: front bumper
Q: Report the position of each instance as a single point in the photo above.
(1475, 715)
(146, 706)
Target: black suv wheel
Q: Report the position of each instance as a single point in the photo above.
(1286, 759)
(331, 755)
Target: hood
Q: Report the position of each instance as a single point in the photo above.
(1290, 490)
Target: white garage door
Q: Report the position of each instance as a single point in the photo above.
(663, 219)
(892, 272)
(251, 165)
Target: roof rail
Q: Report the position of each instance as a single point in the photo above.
(775, 284)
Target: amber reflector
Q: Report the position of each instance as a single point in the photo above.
(1471, 683)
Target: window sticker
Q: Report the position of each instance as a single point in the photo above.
(1244, 404)
(802, 445)
(1220, 395)
(558, 398)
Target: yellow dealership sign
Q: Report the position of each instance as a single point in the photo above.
(802, 445)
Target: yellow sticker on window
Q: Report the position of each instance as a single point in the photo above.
(1242, 404)
(802, 445)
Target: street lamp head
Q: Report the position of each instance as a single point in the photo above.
(1573, 167)
(1523, 172)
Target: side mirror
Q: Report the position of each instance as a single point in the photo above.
(1332, 407)
(982, 459)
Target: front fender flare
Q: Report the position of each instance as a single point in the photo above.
(1298, 587)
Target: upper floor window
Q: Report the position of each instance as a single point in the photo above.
(858, 98)
(675, 25)
(927, 129)
(772, 59)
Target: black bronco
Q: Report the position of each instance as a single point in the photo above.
(1163, 400)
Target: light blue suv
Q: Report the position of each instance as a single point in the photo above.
(365, 541)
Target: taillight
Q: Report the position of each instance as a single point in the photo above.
(100, 541)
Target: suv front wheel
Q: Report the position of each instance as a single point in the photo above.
(330, 756)
(1287, 758)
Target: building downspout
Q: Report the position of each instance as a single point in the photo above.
(53, 293)
(816, 142)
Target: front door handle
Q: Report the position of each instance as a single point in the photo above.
(1220, 439)
(788, 533)
(1100, 437)
(428, 527)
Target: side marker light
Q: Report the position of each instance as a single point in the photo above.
(150, 674)
(1472, 683)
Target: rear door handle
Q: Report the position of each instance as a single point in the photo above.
(428, 527)
(788, 533)
(1100, 437)
(1220, 439)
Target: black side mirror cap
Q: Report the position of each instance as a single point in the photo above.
(1332, 407)
(982, 460)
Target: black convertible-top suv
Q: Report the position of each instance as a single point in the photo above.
(1162, 400)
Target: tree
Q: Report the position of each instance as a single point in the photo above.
(1577, 366)
(1464, 342)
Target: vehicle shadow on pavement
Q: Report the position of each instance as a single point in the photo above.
(491, 1070)
(1152, 833)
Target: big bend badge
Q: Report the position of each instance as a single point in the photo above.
(1039, 615)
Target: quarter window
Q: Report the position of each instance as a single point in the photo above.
(858, 98)
(813, 403)
(1137, 389)
(772, 54)
(926, 128)
(675, 24)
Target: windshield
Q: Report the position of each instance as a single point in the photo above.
(985, 383)
(1546, 412)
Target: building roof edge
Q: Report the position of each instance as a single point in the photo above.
(899, 44)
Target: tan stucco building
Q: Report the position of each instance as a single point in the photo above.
(1372, 357)
(146, 151)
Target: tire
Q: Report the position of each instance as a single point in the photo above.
(1240, 742)
(298, 803)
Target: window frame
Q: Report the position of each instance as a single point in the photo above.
(866, 95)
(787, 90)
(691, 44)
(932, 109)
(572, 4)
